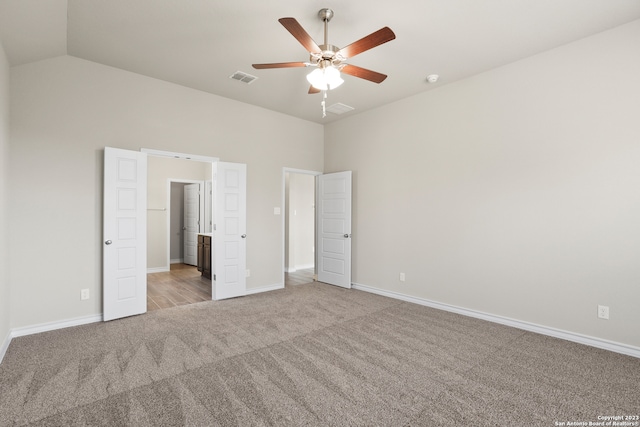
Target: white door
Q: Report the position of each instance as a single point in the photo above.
(334, 229)
(191, 226)
(124, 233)
(229, 231)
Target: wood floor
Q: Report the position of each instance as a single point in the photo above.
(299, 277)
(183, 285)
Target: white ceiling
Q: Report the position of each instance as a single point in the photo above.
(200, 43)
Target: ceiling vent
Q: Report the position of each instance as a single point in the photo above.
(339, 108)
(243, 77)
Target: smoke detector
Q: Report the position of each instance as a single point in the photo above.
(432, 78)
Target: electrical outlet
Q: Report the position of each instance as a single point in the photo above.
(84, 294)
(603, 312)
(402, 277)
(248, 273)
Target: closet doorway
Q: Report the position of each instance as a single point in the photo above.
(187, 218)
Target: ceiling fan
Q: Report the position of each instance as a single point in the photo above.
(328, 59)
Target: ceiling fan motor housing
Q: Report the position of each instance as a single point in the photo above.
(328, 52)
(325, 14)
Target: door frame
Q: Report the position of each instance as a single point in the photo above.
(183, 156)
(201, 211)
(286, 170)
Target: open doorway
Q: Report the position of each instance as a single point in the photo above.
(128, 229)
(181, 190)
(299, 226)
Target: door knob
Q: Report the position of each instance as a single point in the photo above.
(346, 236)
(244, 236)
(108, 242)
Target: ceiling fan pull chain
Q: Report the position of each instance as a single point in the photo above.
(324, 104)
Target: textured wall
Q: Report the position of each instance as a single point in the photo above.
(514, 192)
(301, 220)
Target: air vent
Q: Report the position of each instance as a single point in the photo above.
(243, 77)
(339, 108)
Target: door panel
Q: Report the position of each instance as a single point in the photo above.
(124, 233)
(191, 223)
(229, 232)
(334, 229)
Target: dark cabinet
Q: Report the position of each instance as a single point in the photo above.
(204, 255)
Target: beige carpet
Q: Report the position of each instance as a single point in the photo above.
(309, 355)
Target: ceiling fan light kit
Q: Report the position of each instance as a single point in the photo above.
(330, 60)
(325, 78)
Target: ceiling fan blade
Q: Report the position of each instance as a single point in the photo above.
(363, 73)
(313, 90)
(279, 65)
(300, 34)
(381, 36)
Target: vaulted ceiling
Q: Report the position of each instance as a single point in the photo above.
(201, 43)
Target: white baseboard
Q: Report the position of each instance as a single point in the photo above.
(5, 345)
(51, 326)
(157, 270)
(177, 261)
(527, 326)
(265, 289)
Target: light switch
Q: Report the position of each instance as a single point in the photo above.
(276, 211)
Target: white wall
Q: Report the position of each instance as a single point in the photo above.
(515, 192)
(176, 234)
(64, 111)
(5, 320)
(300, 221)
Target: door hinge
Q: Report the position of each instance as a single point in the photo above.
(214, 227)
(214, 277)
